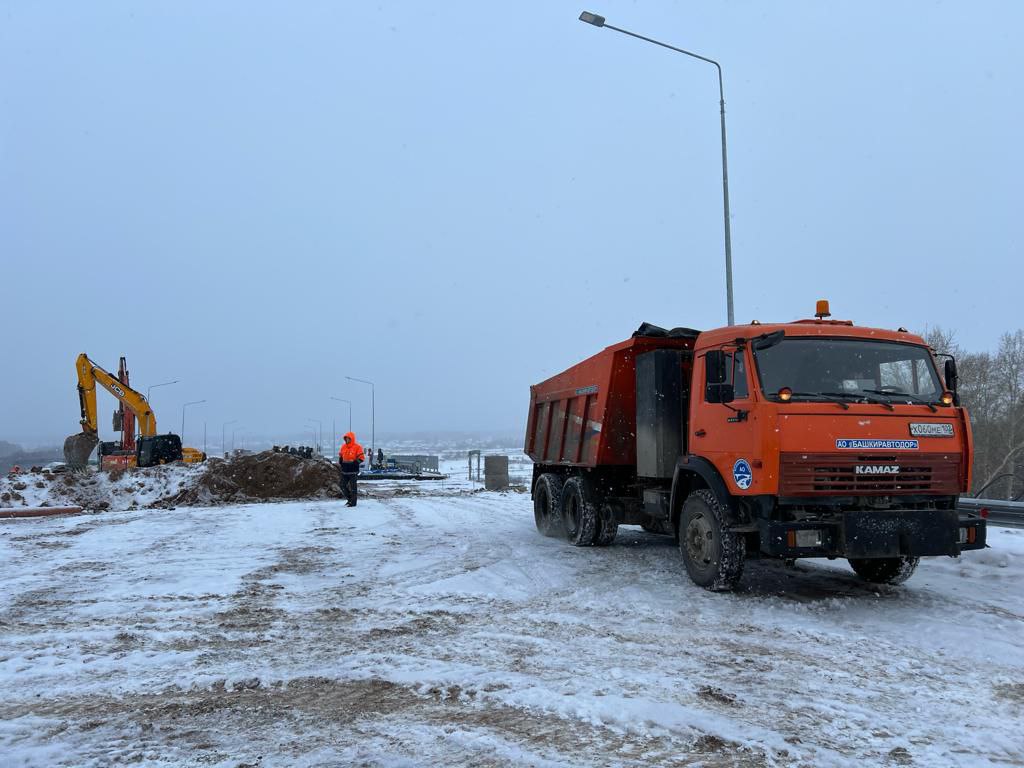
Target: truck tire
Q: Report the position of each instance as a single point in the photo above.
(607, 528)
(885, 570)
(547, 505)
(712, 554)
(579, 513)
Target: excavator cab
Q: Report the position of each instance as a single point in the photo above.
(158, 449)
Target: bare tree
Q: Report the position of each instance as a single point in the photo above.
(992, 389)
(1009, 373)
(941, 340)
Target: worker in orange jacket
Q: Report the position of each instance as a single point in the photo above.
(350, 456)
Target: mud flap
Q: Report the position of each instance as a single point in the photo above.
(909, 532)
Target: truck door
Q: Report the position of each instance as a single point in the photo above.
(726, 433)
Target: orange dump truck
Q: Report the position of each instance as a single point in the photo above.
(814, 438)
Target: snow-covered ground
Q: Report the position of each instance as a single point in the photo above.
(438, 628)
(95, 490)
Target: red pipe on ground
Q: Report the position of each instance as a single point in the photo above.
(9, 512)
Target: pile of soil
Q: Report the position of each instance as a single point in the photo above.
(261, 476)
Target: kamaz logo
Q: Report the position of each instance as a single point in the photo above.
(877, 469)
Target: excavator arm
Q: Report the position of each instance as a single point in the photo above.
(78, 447)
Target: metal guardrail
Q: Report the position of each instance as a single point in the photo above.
(1009, 514)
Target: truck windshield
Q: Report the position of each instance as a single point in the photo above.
(821, 368)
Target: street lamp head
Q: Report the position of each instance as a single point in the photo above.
(592, 18)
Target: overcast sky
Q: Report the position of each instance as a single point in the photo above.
(459, 199)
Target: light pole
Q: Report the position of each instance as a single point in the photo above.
(340, 400)
(373, 409)
(319, 441)
(154, 386)
(233, 432)
(223, 441)
(186, 405)
(598, 21)
(334, 431)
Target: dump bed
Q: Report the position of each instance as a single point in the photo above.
(586, 415)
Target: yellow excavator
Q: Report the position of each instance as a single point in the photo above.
(149, 450)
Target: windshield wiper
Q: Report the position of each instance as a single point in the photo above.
(832, 397)
(860, 397)
(912, 398)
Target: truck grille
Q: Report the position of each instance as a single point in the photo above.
(827, 474)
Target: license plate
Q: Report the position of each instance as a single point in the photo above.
(931, 429)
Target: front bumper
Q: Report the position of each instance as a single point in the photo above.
(875, 533)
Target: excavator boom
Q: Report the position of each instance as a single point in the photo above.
(78, 447)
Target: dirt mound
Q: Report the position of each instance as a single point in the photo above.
(266, 475)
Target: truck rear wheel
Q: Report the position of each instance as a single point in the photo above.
(885, 570)
(547, 505)
(579, 513)
(712, 554)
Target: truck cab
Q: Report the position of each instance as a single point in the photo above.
(814, 438)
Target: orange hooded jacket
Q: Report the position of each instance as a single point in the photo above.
(350, 454)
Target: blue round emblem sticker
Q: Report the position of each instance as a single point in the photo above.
(742, 474)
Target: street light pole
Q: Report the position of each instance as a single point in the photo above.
(233, 432)
(373, 410)
(154, 386)
(186, 405)
(599, 21)
(319, 441)
(340, 400)
(223, 441)
(334, 431)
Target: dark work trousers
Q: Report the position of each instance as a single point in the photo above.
(348, 487)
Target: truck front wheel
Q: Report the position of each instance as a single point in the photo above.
(579, 513)
(885, 570)
(712, 554)
(547, 505)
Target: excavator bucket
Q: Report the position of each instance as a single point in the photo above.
(77, 449)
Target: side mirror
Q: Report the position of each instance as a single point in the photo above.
(714, 367)
(952, 379)
(718, 387)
